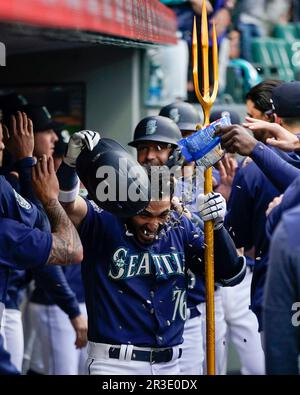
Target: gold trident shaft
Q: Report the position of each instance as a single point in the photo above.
(206, 100)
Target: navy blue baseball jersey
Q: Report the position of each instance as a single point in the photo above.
(51, 284)
(52, 287)
(22, 245)
(281, 303)
(55, 285)
(251, 194)
(136, 294)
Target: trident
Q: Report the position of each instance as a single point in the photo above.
(206, 102)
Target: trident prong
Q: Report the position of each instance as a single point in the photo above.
(206, 100)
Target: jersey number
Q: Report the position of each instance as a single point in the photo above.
(180, 304)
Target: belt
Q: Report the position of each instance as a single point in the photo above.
(153, 356)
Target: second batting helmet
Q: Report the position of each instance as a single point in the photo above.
(156, 128)
(183, 114)
(109, 167)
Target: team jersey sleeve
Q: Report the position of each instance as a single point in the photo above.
(22, 247)
(230, 269)
(277, 170)
(91, 225)
(239, 212)
(53, 281)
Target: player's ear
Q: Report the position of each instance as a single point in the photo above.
(277, 119)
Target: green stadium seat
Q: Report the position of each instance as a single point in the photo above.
(280, 58)
(262, 59)
(271, 54)
(288, 32)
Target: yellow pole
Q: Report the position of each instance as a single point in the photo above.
(206, 100)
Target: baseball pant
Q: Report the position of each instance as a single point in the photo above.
(53, 349)
(12, 332)
(242, 326)
(192, 348)
(220, 335)
(99, 362)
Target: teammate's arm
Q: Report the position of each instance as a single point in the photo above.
(66, 245)
(74, 205)
(236, 139)
(281, 138)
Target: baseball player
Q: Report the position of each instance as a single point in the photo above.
(57, 318)
(241, 323)
(281, 301)
(24, 245)
(50, 281)
(188, 187)
(251, 194)
(134, 275)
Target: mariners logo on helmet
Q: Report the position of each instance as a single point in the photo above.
(174, 115)
(151, 126)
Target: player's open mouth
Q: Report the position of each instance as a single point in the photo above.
(146, 235)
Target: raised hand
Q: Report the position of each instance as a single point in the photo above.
(78, 141)
(19, 139)
(212, 207)
(236, 139)
(282, 138)
(227, 169)
(44, 180)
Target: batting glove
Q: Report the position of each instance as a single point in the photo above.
(212, 207)
(78, 141)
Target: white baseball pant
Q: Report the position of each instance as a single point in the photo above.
(192, 348)
(12, 332)
(99, 362)
(53, 349)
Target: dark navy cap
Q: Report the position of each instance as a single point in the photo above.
(12, 100)
(286, 99)
(39, 115)
(234, 116)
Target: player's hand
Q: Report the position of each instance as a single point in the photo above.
(282, 138)
(19, 139)
(44, 180)
(236, 139)
(78, 141)
(275, 202)
(227, 169)
(79, 324)
(212, 207)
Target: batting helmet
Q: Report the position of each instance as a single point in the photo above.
(183, 114)
(156, 128)
(115, 181)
